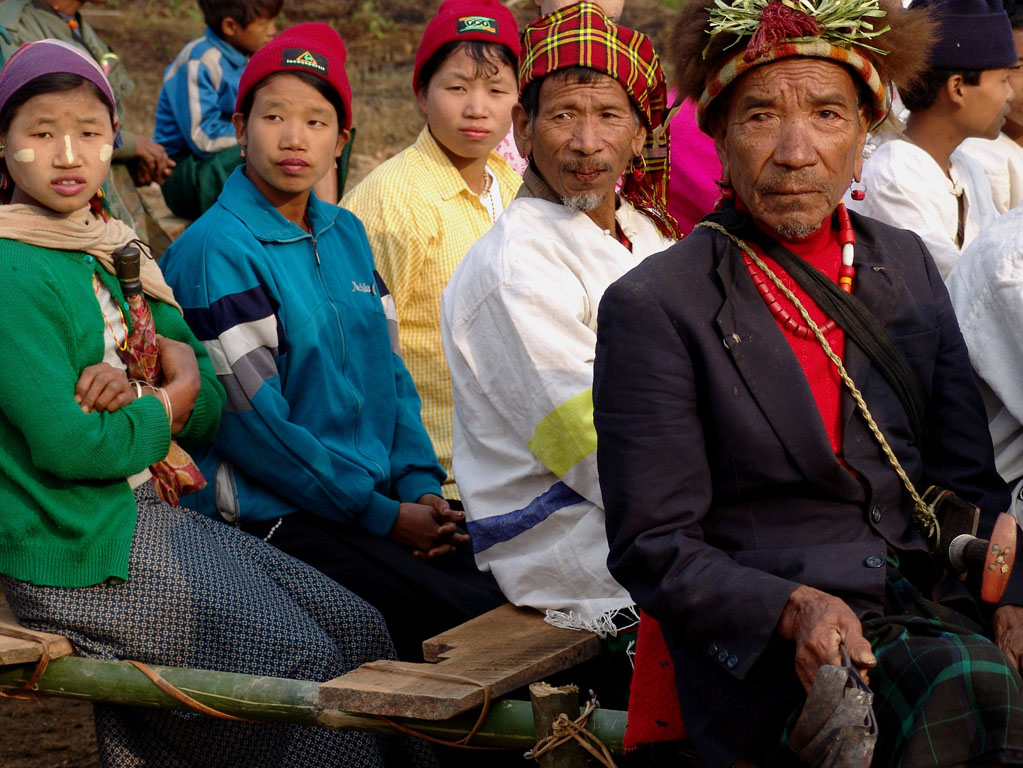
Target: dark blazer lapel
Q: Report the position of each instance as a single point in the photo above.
(773, 375)
(876, 286)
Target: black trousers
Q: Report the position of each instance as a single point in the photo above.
(417, 598)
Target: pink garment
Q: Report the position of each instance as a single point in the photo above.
(510, 152)
(695, 169)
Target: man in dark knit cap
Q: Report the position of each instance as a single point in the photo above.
(918, 180)
(1002, 159)
(773, 396)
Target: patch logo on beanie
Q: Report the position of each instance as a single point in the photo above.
(303, 57)
(468, 24)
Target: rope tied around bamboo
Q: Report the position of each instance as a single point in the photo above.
(176, 693)
(31, 684)
(565, 730)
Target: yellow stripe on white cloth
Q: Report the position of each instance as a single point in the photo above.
(566, 436)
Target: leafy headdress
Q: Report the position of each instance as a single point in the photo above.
(715, 42)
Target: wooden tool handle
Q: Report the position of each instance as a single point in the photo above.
(1001, 554)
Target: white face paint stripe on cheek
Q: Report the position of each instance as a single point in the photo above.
(106, 152)
(27, 155)
(67, 148)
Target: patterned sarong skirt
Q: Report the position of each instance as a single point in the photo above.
(204, 595)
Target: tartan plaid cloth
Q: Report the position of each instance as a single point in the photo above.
(944, 694)
(739, 65)
(581, 35)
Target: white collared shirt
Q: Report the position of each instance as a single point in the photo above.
(906, 188)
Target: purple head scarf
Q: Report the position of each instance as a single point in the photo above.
(46, 57)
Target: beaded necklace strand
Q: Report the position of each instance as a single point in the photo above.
(923, 514)
(846, 272)
(121, 345)
(486, 196)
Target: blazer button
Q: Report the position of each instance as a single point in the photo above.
(874, 561)
(723, 656)
(732, 662)
(875, 515)
(712, 649)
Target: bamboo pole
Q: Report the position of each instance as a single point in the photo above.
(509, 722)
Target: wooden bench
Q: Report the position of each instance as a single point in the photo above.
(504, 649)
(20, 650)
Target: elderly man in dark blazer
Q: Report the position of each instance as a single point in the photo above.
(750, 509)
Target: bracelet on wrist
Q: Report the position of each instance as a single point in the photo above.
(167, 405)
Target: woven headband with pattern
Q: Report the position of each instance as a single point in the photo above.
(740, 64)
(581, 35)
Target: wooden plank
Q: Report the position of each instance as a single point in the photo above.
(17, 651)
(505, 649)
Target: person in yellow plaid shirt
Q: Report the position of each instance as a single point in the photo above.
(426, 206)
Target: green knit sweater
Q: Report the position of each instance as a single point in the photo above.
(67, 513)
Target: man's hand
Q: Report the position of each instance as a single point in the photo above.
(1008, 626)
(101, 387)
(428, 527)
(151, 162)
(818, 623)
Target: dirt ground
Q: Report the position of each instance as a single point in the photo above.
(381, 36)
(46, 733)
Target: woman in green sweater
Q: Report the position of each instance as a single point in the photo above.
(87, 549)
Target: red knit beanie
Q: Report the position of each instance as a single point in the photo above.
(459, 20)
(314, 48)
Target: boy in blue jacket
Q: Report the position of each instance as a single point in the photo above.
(321, 450)
(200, 87)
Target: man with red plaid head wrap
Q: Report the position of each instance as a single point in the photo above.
(611, 8)
(773, 398)
(519, 314)
(579, 43)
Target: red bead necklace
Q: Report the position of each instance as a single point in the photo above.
(845, 280)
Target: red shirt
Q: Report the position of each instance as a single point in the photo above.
(823, 251)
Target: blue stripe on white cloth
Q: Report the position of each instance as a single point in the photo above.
(489, 531)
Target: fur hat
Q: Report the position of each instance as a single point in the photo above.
(881, 43)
